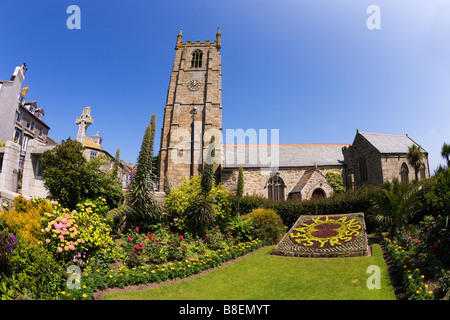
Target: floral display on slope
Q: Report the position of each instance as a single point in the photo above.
(325, 236)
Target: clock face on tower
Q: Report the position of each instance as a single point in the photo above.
(194, 85)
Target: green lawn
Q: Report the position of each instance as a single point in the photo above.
(265, 277)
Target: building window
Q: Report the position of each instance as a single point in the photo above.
(39, 170)
(28, 123)
(404, 173)
(25, 143)
(17, 136)
(40, 131)
(363, 170)
(92, 155)
(32, 125)
(197, 56)
(1, 162)
(19, 116)
(275, 188)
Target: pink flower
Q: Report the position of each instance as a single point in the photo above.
(181, 238)
(47, 240)
(59, 249)
(417, 241)
(144, 236)
(229, 236)
(141, 244)
(435, 245)
(207, 235)
(137, 247)
(409, 239)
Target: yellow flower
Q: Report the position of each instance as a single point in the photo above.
(409, 277)
(430, 292)
(422, 276)
(426, 286)
(84, 296)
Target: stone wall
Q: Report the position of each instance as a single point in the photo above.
(255, 180)
(361, 148)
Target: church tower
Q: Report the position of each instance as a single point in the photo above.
(193, 112)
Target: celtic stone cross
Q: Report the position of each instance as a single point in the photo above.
(83, 122)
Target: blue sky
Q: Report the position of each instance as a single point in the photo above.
(311, 69)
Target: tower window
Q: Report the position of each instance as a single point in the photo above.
(196, 61)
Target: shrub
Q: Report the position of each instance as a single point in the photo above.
(336, 181)
(267, 225)
(25, 219)
(181, 200)
(34, 274)
(240, 229)
(66, 233)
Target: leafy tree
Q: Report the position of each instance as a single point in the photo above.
(415, 158)
(104, 184)
(445, 153)
(70, 178)
(66, 173)
(439, 195)
(143, 210)
(394, 205)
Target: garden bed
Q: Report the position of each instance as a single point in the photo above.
(340, 235)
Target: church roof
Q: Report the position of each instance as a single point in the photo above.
(88, 143)
(289, 155)
(388, 143)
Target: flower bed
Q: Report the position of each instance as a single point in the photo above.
(405, 268)
(92, 280)
(325, 236)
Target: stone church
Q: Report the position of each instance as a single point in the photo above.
(193, 114)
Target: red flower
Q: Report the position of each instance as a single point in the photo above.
(207, 235)
(435, 245)
(153, 239)
(137, 247)
(410, 239)
(181, 238)
(129, 239)
(216, 228)
(229, 236)
(132, 250)
(144, 236)
(150, 235)
(137, 228)
(156, 242)
(141, 244)
(417, 241)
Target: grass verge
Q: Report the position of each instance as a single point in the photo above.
(265, 277)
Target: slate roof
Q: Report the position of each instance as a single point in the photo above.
(289, 155)
(387, 143)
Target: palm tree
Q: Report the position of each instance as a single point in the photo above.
(445, 153)
(394, 205)
(415, 158)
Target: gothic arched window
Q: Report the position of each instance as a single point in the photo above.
(275, 188)
(404, 173)
(196, 61)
